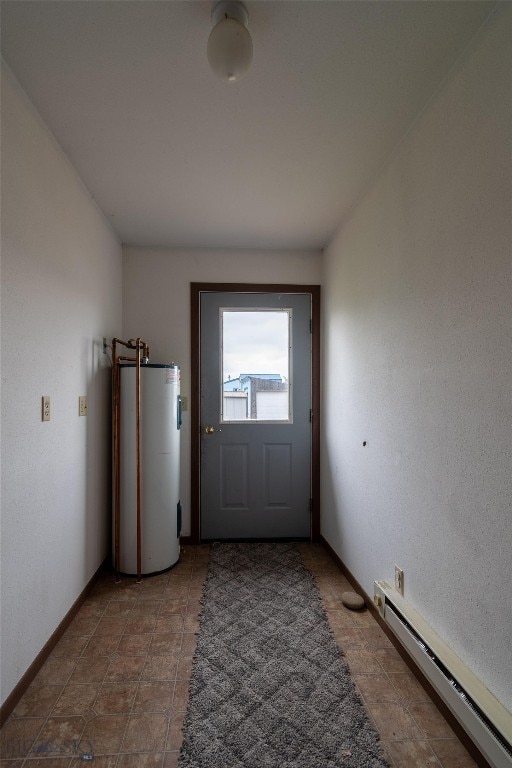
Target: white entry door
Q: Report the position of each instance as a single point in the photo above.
(255, 401)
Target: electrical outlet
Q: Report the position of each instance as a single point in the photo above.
(45, 403)
(82, 405)
(399, 580)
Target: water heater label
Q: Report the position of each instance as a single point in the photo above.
(172, 375)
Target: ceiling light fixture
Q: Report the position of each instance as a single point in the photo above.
(230, 44)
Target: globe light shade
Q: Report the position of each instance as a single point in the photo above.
(230, 49)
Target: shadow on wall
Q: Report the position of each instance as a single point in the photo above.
(98, 455)
(331, 524)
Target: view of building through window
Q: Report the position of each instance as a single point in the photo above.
(255, 365)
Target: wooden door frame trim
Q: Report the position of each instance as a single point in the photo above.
(196, 289)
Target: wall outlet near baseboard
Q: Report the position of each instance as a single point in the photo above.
(45, 404)
(82, 405)
(399, 580)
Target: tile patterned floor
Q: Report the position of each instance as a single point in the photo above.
(413, 732)
(116, 685)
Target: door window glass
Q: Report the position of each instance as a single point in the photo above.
(255, 351)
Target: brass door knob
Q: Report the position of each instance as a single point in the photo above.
(209, 429)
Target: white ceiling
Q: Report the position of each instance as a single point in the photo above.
(175, 157)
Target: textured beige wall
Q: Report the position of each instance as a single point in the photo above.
(417, 349)
(61, 293)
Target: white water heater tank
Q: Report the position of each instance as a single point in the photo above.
(160, 422)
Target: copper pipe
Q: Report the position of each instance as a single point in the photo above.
(137, 344)
(128, 344)
(116, 427)
(132, 344)
(137, 425)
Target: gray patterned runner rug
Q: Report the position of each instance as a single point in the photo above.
(270, 688)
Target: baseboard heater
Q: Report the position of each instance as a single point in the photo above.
(486, 721)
